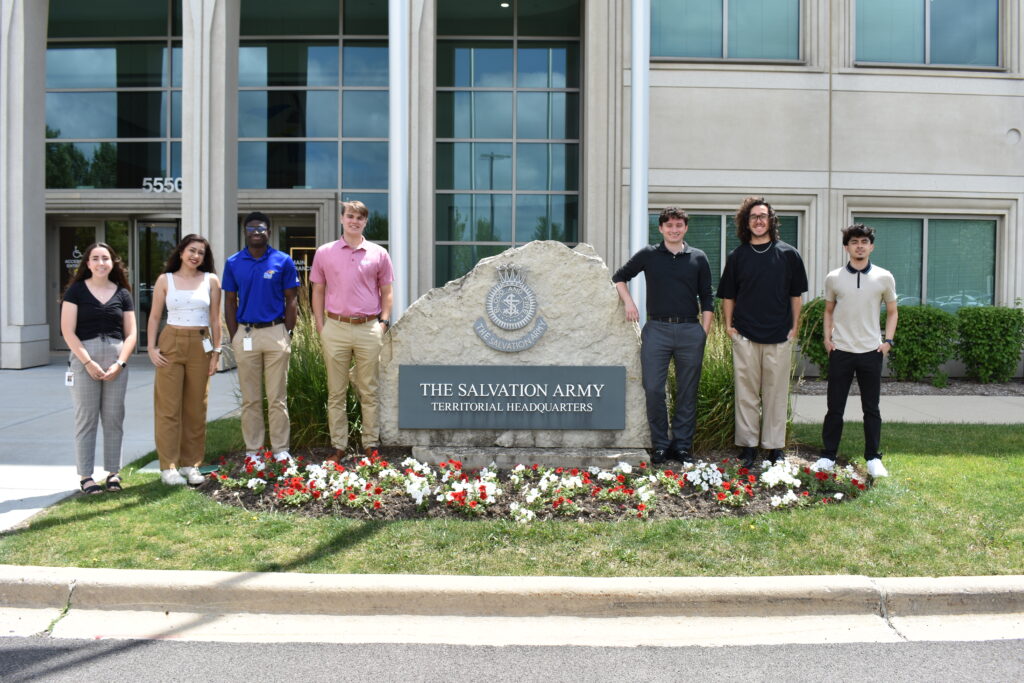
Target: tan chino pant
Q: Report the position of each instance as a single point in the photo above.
(179, 398)
(341, 342)
(761, 375)
(266, 365)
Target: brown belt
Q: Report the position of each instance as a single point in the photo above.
(346, 319)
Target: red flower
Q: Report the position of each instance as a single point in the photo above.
(806, 493)
(574, 472)
(483, 495)
(751, 478)
(376, 505)
(821, 476)
(670, 474)
(472, 503)
(682, 483)
(351, 496)
(721, 496)
(643, 465)
(641, 507)
(743, 470)
(726, 485)
(378, 490)
(558, 470)
(621, 478)
(534, 467)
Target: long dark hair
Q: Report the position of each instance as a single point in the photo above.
(118, 271)
(174, 262)
(743, 219)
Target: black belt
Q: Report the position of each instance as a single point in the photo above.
(671, 319)
(258, 326)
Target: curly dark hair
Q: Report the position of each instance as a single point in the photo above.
(174, 262)
(673, 212)
(858, 230)
(118, 271)
(743, 219)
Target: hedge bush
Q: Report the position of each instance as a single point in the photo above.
(812, 335)
(926, 337)
(991, 339)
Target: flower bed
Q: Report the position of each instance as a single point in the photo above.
(375, 488)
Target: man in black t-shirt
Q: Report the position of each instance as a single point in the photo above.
(760, 290)
(679, 313)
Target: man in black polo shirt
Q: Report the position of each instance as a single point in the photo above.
(760, 289)
(679, 313)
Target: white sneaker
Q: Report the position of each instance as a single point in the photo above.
(823, 465)
(172, 478)
(876, 469)
(282, 456)
(192, 475)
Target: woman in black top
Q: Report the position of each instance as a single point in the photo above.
(97, 319)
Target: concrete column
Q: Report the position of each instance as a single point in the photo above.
(209, 129)
(398, 150)
(24, 333)
(639, 134)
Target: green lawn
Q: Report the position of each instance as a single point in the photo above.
(951, 507)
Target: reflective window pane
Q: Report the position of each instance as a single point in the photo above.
(901, 240)
(460, 18)
(121, 65)
(87, 165)
(176, 66)
(309, 17)
(547, 115)
(965, 32)
(955, 281)
(105, 114)
(287, 113)
(686, 28)
(474, 166)
(474, 64)
(288, 63)
(474, 217)
(474, 114)
(365, 63)
(548, 65)
(77, 19)
(364, 165)
(454, 261)
(890, 31)
(290, 165)
(377, 204)
(548, 17)
(547, 166)
(365, 17)
(175, 159)
(175, 113)
(764, 29)
(364, 114)
(547, 217)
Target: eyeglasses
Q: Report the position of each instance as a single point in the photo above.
(755, 217)
(255, 228)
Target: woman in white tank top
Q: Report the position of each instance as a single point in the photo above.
(185, 355)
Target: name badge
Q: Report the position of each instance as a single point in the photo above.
(247, 344)
(69, 379)
(207, 345)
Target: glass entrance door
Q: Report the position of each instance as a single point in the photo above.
(156, 241)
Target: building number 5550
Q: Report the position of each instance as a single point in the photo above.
(161, 184)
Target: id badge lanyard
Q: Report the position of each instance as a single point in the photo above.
(247, 340)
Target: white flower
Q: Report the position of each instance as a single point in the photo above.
(623, 467)
(256, 483)
(838, 496)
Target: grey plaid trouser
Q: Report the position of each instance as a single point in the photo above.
(96, 402)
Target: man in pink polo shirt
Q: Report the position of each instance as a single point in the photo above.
(352, 297)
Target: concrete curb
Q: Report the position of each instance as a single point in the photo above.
(375, 594)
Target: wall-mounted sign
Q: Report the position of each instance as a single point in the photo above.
(161, 184)
(511, 397)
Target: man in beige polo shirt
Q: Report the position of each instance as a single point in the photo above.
(855, 345)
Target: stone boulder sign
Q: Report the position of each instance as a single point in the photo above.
(531, 349)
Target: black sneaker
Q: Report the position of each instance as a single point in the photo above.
(682, 456)
(748, 454)
(658, 456)
(776, 455)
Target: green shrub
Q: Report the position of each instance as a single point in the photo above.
(990, 341)
(307, 386)
(716, 398)
(812, 335)
(925, 339)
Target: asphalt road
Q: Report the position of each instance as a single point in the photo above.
(48, 659)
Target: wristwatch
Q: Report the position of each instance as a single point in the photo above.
(121, 363)
(890, 342)
(217, 349)
(384, 321)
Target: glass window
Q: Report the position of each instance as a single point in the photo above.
(287, 63)
(716, 29)
(116, 18)
(364, 165)
(122, 65)
(507, 113)
(289, 165)
(377, 204)
(941, 32)
(365, 114)
(89, 165)
(939, 276)
(366, 17)
(365, 63)
(288, 113)
(306, 18)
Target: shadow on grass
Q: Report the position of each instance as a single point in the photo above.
(344, 539)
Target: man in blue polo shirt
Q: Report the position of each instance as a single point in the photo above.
(260, 306)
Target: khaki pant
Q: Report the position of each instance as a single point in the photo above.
(341, 342)
(265, 365)
(179, 398)
(761, 374)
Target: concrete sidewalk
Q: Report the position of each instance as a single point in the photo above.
(927, 409)
(37, 456)
(207, 605)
